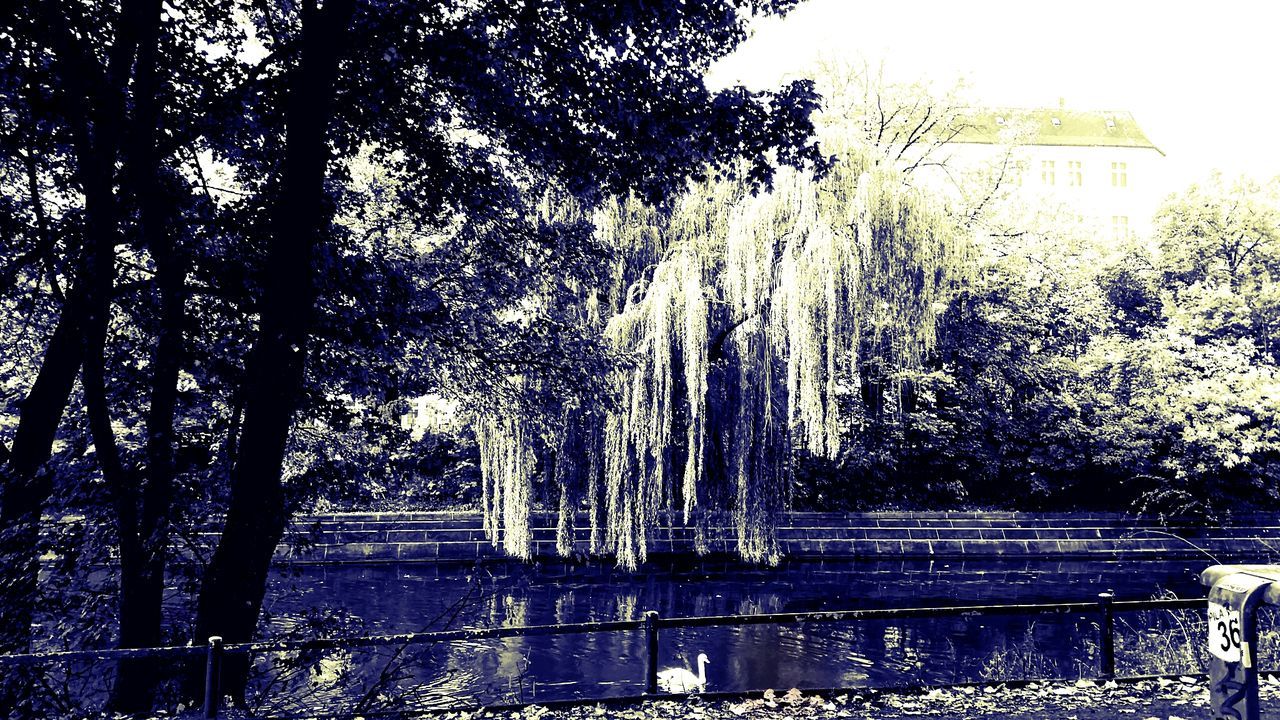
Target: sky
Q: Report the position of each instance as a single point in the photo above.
(1199, 78)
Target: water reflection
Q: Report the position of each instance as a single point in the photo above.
(406, 598)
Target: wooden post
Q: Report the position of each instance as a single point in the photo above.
(213, 677)
(1107, 637)
(651, 654)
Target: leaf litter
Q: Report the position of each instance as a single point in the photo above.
(1178, 698)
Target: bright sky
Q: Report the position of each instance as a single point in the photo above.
(1200, 78)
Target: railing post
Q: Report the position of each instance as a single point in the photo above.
(213, 677)
(651, 652)
(1107, 637)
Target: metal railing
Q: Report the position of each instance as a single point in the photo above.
(215, 650)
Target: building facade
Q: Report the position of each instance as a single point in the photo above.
(1098, 165)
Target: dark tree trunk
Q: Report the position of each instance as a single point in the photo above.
(26, 482)
(144, 531)
(234, 583)
(142, 572)
(910, 398)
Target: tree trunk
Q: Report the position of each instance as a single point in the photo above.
(142, 572)
(145, 531)
(234, 583)
(27, 484)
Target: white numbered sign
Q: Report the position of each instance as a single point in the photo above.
(1224, 632)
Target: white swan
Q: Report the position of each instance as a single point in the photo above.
(679, 680)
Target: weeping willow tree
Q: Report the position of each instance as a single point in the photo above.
(663, 329)
(533, 423)
(744, 325)
(506, 468)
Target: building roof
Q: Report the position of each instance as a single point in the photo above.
(1093, 128)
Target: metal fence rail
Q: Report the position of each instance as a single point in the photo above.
(1105, 606)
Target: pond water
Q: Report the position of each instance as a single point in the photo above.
(407, 598)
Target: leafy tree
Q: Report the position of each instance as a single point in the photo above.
(339, 220)
(1220, 255)
(1066, 372)
(1188, 427)
(743, 318)
(998, 417)
(106, 86)
(477, 111)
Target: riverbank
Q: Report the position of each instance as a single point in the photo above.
(1184, 698)
(459, 536)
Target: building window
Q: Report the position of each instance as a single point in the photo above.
(1017, 168)
(1075, 173)
(1119, 174)
(1046, 172)
(1119, 227)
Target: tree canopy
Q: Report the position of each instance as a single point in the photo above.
(242, 240)
(267, 219)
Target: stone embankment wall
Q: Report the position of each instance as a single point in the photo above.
(453, 536)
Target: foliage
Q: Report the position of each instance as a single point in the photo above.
(1220, 259)
(744, 334)
(1018, 660)
(240, 241)
(253, 232)
(887, 365)
(1071, 372)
